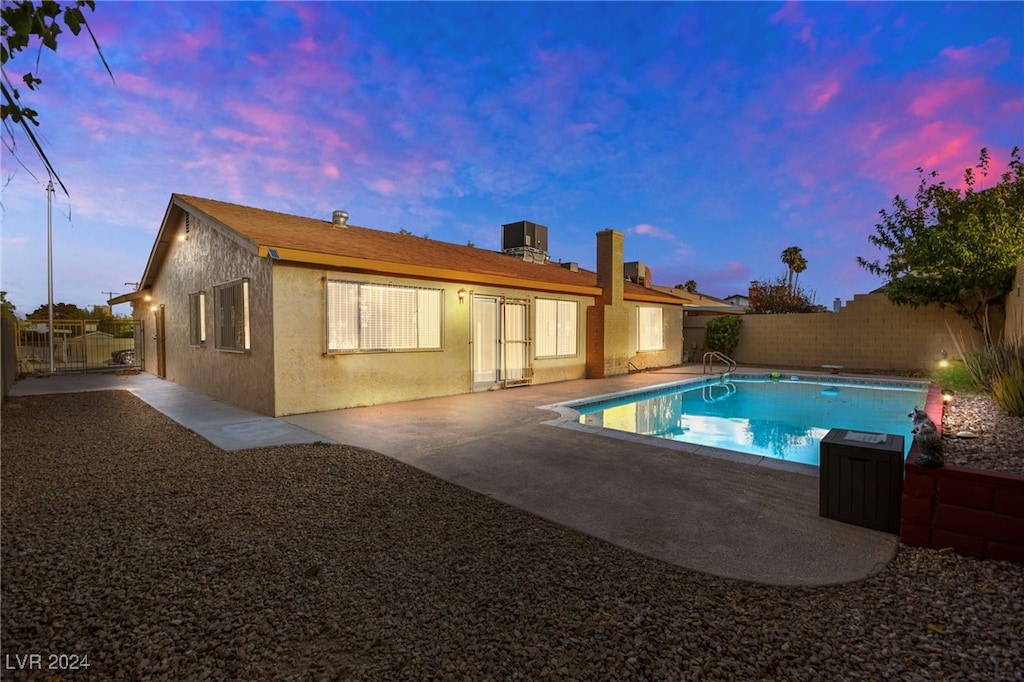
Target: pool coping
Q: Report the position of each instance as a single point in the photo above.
(568, 416)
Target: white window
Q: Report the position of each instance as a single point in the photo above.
(232, 315)
(556, 328)
(197, 318)
(650, 331)
(374, 317)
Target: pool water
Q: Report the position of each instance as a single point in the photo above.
(783, 418)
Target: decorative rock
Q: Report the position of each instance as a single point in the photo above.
(206, 579)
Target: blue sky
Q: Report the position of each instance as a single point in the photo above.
(714, 135)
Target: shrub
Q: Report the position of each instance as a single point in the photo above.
(723, 333)
(999, 369)
(1008, 392)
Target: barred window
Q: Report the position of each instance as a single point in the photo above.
(197, 318)
(556, 328)
(232, 315)
(378, 317)
(650, 330)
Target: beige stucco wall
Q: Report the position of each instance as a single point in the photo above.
(207, 258)
(868, 333)
(1014, 327)
(309, 380)
(614, 341)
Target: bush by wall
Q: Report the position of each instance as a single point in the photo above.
(723, 333)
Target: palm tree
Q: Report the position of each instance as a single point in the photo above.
(799, 265)
(791, 256)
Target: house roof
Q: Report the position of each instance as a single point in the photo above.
(698, 302)
(309, 240)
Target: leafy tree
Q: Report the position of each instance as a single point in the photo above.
(690, 286)
(723, 333)
(61, 311)
(6, 307)
(779, 296)
(953, 248)
(26, 24)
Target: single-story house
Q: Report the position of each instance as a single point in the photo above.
(284, 315)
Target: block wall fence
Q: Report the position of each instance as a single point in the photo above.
(976, 513)
(869, 332)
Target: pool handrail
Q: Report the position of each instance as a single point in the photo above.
(709, 362)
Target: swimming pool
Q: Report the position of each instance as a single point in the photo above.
(781, 417)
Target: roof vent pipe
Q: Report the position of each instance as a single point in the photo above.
(340, 218)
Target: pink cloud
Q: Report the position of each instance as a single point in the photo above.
(989, 54)
(945, 147)
(1013, 107)
(306, 45)
(647, 230)
(383, 186)
(238, 136)
(823, 92)
(101, 127)
(264, 117)
(147, 88)
(941, 95)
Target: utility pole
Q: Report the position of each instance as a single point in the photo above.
(110, 295)
(49, 264)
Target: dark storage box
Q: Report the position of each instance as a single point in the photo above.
(862, 478)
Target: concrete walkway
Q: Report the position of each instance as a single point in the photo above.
(226, 426)
(708, 513)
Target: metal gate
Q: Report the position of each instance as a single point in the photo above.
(79, 346)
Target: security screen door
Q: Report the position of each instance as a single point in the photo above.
(500, 344)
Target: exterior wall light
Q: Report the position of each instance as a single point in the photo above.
(944, 361)
(462, 296)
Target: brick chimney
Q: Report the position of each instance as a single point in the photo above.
(610, 245)
(608, 322)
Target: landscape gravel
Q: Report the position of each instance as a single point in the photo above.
(1000, 435)
(132, 541)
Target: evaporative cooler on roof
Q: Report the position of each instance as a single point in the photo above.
(525, 240)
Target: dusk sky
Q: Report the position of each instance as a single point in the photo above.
(714, 135)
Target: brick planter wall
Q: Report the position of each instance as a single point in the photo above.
(977, 513)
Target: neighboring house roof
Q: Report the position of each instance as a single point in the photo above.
(698, 302)
(309, 240)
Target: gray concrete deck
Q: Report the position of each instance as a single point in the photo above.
(226, 426)
(707, 513)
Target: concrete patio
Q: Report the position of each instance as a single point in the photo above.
(710, 514)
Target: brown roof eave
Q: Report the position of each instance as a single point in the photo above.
(652, 298)
(164, 238)
(129, 297)
(367, 265)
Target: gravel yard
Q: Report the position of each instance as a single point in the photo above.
(1000, 442)
(137, 543)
